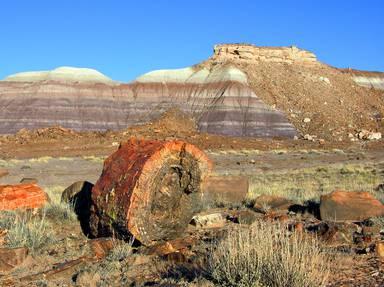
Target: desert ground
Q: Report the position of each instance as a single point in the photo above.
(48, 246)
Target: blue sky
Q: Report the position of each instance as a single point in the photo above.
(124, 39)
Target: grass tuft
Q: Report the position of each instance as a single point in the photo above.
(268, 255)
(29, 231)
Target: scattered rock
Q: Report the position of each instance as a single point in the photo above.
(3, 172)
(220, 190)
(28, 180)
(309, 137)
(22, 196)
(207, 219)
(348, 205)
(271, 202)
(247, 216)
(148, 181)
(368, 135)
(12, 257)
(101, 247)
(307, 120)
(380, 249)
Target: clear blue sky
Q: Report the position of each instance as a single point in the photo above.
(124, 39)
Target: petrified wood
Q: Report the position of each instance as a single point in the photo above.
(149, 190)
(21, 196)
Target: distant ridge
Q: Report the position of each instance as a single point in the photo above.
(66, 74)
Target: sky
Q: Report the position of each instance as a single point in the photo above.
(124, 39)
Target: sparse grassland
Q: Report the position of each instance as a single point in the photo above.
(309, 183)
(268, 255)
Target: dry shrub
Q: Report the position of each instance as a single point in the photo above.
(29, 231)
(266, 254)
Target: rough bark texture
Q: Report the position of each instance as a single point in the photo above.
(21, 196)
(149, 190)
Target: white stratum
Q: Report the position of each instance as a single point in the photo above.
(191, 75)
(66, 74)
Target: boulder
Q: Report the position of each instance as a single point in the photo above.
(272, 202)
(148, 189)
(78, 195)
(78, 190)
(345, 205)
(21, 196)
(224, 190)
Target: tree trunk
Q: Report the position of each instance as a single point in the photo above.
(149, 190)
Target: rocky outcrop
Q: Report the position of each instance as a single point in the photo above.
(249, 53)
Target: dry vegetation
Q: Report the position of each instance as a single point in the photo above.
(309, 183)
(268, 255)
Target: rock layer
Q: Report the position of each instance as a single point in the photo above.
(219, 100)
(373, 80)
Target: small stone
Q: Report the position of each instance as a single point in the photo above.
(208, 220)
(28, 180)
(308, 137)
(380, 249)
(307, 120)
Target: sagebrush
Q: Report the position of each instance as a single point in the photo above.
(267, 254)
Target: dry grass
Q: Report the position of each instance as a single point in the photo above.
(56, 209)
(267, 255)
(309, 183)
(120, 251)
(31, 231)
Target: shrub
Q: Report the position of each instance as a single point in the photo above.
(120, 251)
(28, 231)
(267, 255)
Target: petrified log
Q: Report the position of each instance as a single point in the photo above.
(149, 190)
(21, 196)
